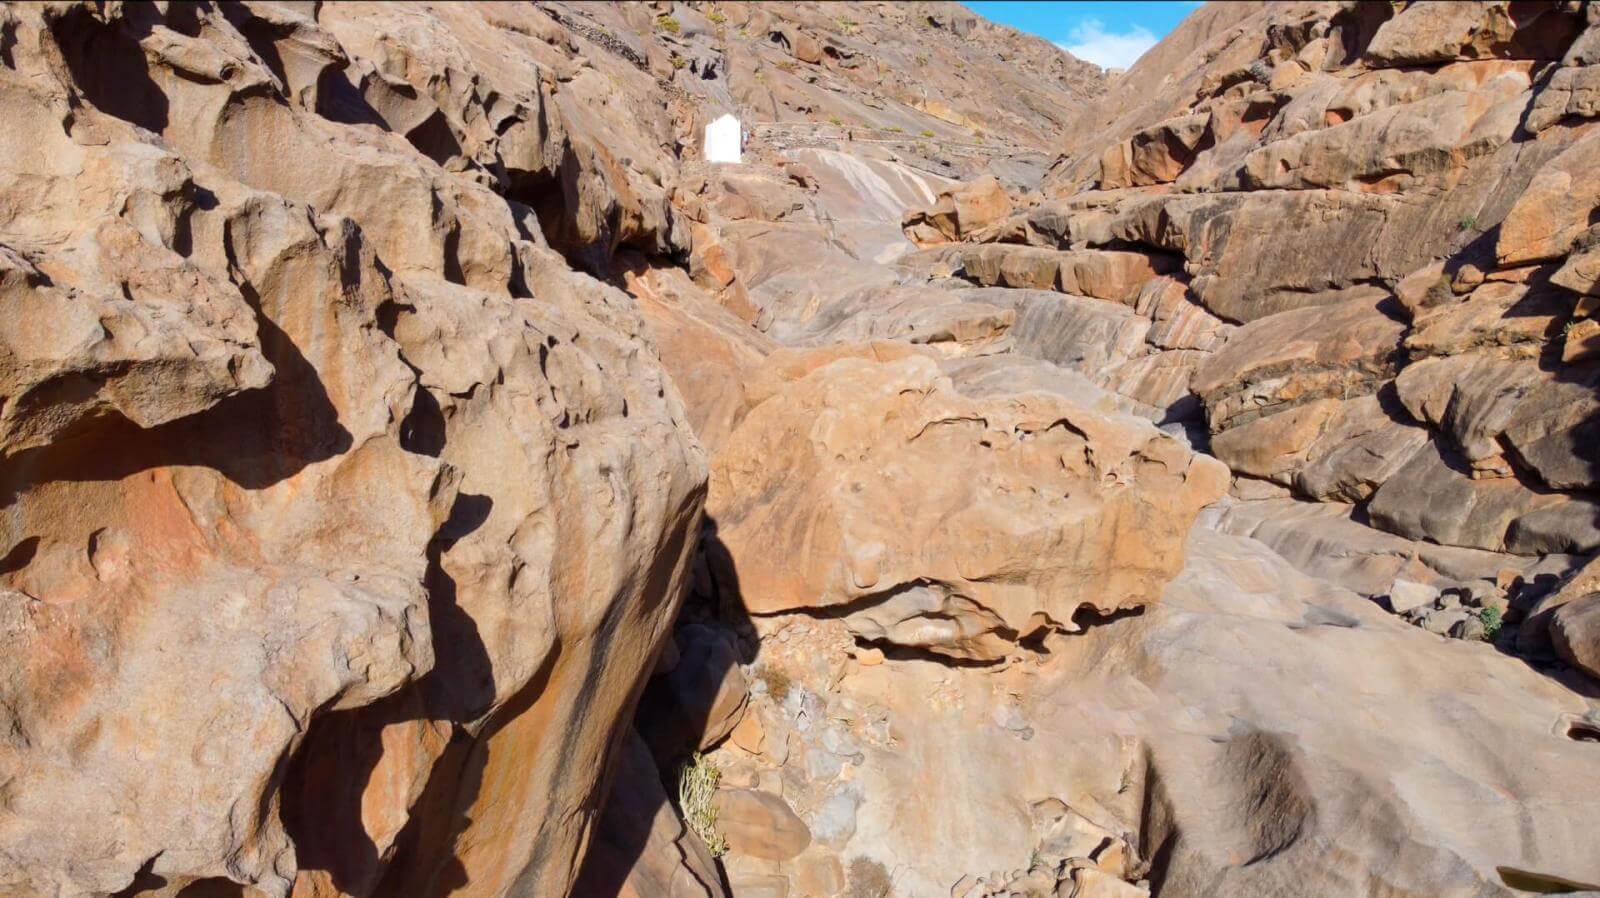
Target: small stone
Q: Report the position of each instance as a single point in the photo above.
(819, 874)
(760, 824)
(870, 656)
(1471, 628)
(823, 765)
(1405, 595)
(1506, 579)
(835, 819)
(1442, 621)
(749, 734)
(1467, 277)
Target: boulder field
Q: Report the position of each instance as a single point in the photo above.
(422, 474)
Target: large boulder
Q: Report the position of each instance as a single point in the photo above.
(959, 212)
(1575, 632)
(866, 485)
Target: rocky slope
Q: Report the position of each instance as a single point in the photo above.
(422, 474)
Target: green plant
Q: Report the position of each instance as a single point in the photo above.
(1492, 621)
(835, 120)
(778, 682)
(868, 878)
(1469, 222)
(895, 129)
(716, 17)
(697, 785)
(845, 23)
(668, 24)
(927, 132)
(678, 62)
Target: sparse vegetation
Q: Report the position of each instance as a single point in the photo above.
(835, 120)
(716, 17)
(868, 878)
(697, 784)
(678, 62)
(895, 129)
(927, 132)
(1469, 223)
(778, 682)
(844, 23)
(668, 24)
(1492, 621)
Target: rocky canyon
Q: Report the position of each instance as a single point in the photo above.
(424, 473)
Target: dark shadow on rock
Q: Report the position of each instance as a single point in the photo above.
(109, 66)
(324, 783)
(212, 887)
(255, 438)
(716, 604)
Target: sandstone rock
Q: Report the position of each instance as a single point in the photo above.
(1573, 91)
(1428, 498)
(710, 353)
(1362, 445)
(697, 703)
(1274, 447)
(318, 451)
(1297, 357)
(1220, 236)
(1087, 335)
(1009, 265)
(1177, 322)
(1580, 271)
(960, 212)
(1156, 155)
(749, 734)
(1325, 541)
(1553, 212)
(1159, 381)
(821, 875)
(1118, 276)
(946, 580)
(641, 849)
(760, 825)
(1087, 882)
(952, 322)
(1433, 32)
(1575, 632)
(1405, 595)
(1518, 318)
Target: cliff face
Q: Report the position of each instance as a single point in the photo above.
(341, 518)
(422, 474)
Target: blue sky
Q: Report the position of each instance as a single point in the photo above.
(1108, 34)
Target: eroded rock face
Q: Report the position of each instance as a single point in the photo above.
(1394, 203)
(341, 518)
(866, 485)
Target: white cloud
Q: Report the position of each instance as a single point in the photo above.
(1090, 41)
